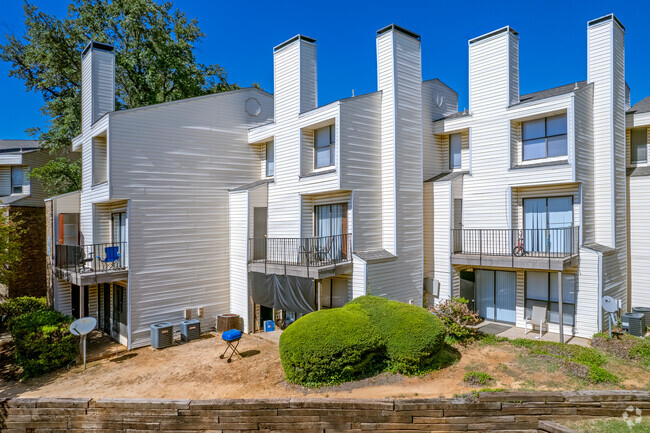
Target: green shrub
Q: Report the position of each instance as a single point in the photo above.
(641, 351)
(43, 341)
(572, 353)
(458, 318)
(412, 335)
(477, 378)
(330, 346)
(15, 307)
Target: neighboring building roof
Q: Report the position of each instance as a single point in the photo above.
(252, 185)
(18, 146)
(549, 93)
(643, 106)
(443, 177)
(12, 199)
(638, 171)
(375, 256)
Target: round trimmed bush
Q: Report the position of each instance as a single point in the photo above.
(43, 341)
(15, 307)
(413, 336)
(331, 346)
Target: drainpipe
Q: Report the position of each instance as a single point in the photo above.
(560, 298)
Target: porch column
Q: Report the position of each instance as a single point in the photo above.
(559, 303)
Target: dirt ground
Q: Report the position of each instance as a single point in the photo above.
(194, 370)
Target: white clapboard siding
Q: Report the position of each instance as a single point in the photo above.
(62, 296)
(584, 160)
(438, 100)
(441, 233)
(428, 213)
(5, 180)
(639, 218)
(174, 163)
(360, 132)
(588, 293)
(238, 240)
(103, 82)
(359, 277)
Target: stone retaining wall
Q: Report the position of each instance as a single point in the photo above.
(505, 411)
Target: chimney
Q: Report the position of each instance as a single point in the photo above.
(399, 78)
(97, 82)
(494, 70)
(294, 72)
(606, 70)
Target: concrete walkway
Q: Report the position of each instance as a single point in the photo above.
(512, 332)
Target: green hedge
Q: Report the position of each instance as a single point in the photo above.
(15, 307)
(330, 346)
(368, 335)
(43, 341)
(412, 335)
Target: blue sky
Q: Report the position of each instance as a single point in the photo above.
(240, 37)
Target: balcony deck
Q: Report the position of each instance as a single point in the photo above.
(91, 264)
(314, 257)
(543, 249)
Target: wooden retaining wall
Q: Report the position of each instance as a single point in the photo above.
(504, 411)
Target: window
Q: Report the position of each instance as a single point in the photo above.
(270, 158)
(545, 138)
(16, 180)
(542, 290)
(639, 139)
(548, 225)
(454, 151)
(118, 222)
(324, 139)
(331, 219)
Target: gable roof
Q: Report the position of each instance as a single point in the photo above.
(643, 106)
(18, 146)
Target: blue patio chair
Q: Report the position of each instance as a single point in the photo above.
(112, 257)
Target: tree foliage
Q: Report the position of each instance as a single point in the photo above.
(155, 62)
(10, 246)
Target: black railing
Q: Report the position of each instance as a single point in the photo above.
(91, 258)
(315, 251)
(548, 243)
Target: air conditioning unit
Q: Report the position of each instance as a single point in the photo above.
(162, 335)
(634, 323)
(190, 330)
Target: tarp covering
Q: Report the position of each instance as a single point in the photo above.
(284, 292)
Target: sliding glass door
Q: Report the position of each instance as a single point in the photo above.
(547, 224)
(496, 295)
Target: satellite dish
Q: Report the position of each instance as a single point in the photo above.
(83, 327)
(609, 304)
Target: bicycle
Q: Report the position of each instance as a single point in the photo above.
(519, 249)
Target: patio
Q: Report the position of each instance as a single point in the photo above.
(512, 332)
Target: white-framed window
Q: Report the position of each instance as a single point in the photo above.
(324, 146)
(454, 151)
(639, 145)
(545, 138)
(542, 290)
(16, 180)
(270, 158)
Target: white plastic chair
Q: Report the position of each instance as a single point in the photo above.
(537, 318)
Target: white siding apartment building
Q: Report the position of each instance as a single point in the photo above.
(270, 206)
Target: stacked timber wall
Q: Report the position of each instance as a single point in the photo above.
(506, 411)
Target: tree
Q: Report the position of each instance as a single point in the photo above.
(10, 245)
(154, 62)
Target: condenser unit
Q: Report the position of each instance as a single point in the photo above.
(190, 330)
(634, 323)
(162, 335)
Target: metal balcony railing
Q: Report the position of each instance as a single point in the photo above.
(104, 257)
(311, 252)
(546, 243)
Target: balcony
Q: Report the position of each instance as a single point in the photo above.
(91, 264)
(313, 257)
(549, 249)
